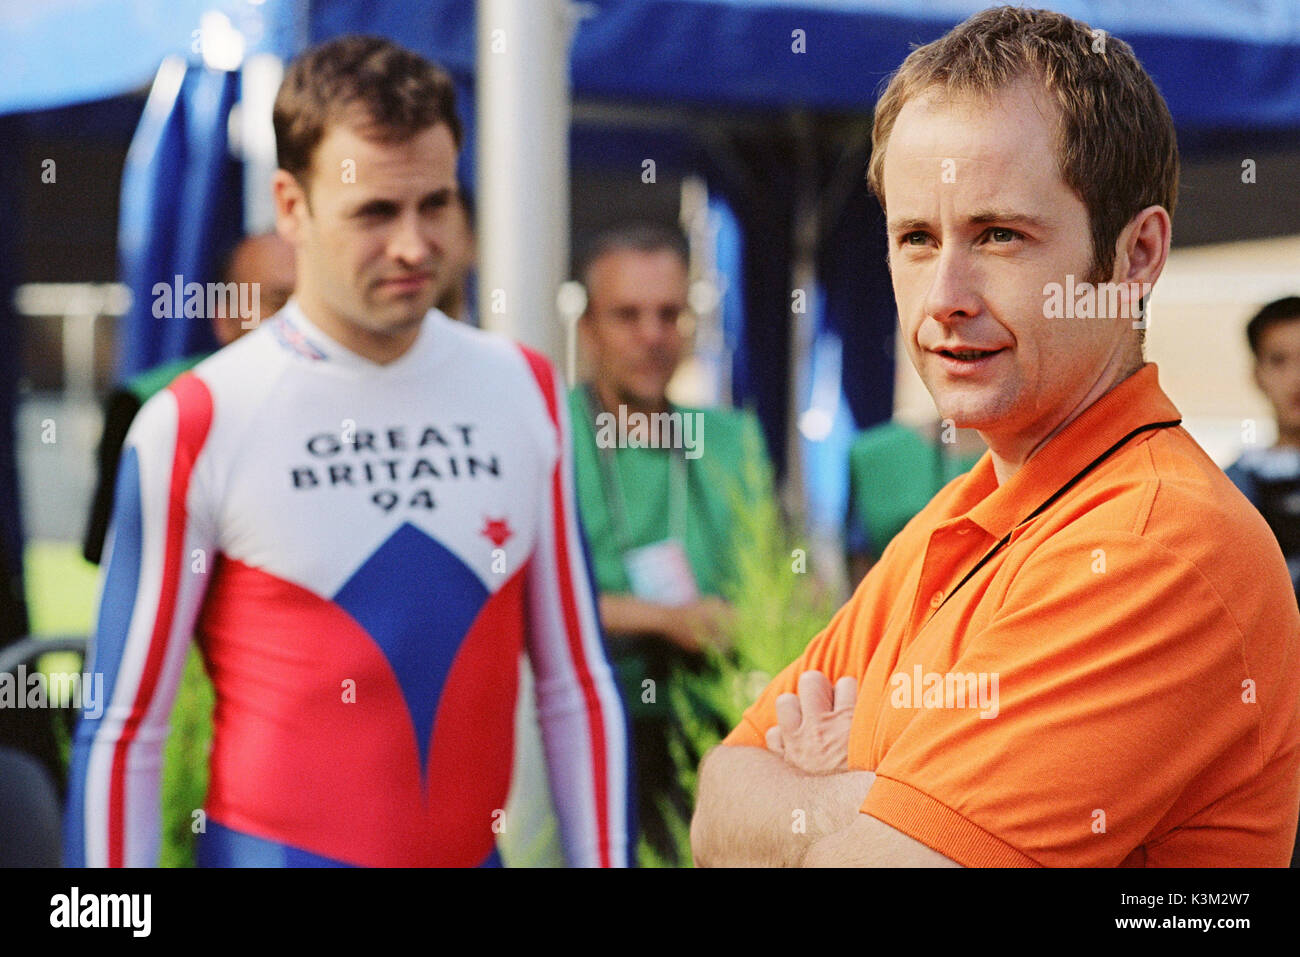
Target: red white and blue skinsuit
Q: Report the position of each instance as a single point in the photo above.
(362, 552)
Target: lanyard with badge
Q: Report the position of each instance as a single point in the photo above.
(659, 572)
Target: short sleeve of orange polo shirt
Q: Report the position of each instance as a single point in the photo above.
(1142, 704)
(1114, 700)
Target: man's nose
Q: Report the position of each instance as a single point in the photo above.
(952, 295)
(654, 329)
(413, 240)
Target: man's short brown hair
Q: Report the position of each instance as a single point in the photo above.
(1115, 142)
(385, 91)
(1275, 313)
(642, 236)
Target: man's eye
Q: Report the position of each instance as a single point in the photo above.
(1000, 235)
(911, 239)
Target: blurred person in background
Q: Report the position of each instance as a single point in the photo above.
(265, 261)
(457, 300)
(657, 513)
(1270, 477)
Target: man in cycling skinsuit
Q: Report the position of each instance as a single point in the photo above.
(364, 511)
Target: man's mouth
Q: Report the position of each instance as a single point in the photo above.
(968, 355)
(407, 282)
(966, 361)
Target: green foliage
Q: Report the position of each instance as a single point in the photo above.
(62, 662)
(778, 608)
(185, 764)
(184, 786)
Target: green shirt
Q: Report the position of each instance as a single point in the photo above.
(731, 468)
(893, 474)
(145, 384)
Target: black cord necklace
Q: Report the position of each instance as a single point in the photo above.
(1078, 477)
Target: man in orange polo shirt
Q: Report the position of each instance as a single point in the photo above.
(1084, 652)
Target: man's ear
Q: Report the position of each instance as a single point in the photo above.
(291, 209)
(1143, 249)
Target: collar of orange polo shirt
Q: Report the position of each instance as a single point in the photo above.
(1135, 407)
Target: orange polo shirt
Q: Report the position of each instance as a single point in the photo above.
(1118, 685)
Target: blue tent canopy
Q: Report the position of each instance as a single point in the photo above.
(1223, 66)
(1218, 62)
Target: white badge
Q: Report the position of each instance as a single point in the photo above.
(661, 573)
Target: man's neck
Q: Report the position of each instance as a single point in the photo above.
(1011, 453)
(379, 348)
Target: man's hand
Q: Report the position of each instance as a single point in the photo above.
(812, 729)
(704, 623)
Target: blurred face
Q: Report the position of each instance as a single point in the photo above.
(630, 330)
(980, 221)
(1277, 370)
(372, 234)
(267, 261)
(461, 252)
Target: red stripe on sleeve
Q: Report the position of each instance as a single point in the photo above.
(545, 377)
(194, 418)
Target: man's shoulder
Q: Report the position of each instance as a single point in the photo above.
(471, 339)
(246, 361)
(729, 433)
(1166, 500)
(1277, 464)
(1193, 496)
(222, 392)
(144, 385)
(499, 361)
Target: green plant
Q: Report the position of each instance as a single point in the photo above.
(779, 607)
(185, 764)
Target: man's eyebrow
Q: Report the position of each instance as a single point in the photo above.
(1007, 216)
(444, 194)
(907, 225)
(374, 204)
(982, 218)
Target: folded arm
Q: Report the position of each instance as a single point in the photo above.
(797, 802)
(755, 810)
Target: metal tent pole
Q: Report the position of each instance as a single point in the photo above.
(523, 168)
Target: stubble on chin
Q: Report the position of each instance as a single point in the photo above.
(979, 412)
(395, 319)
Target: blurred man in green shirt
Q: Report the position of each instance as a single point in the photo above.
(657, 487)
